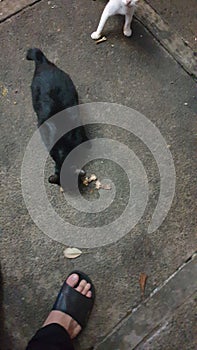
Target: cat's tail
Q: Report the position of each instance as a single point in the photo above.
(37, 56)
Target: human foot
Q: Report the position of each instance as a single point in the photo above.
(56, 316)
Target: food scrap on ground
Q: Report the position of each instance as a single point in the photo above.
(106, 187)
(4, 91)
(92, 177)
(85, 181)
(101, 40)
(98, 185)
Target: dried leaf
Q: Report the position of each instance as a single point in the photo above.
(72, 253)
(61, 190)
(142, 281)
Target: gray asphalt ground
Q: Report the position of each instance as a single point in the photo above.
(135, 72)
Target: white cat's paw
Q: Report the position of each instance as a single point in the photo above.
(95, 36)
(127, 32)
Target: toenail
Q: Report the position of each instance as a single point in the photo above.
(74, 277)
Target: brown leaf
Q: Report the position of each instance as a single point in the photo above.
(142, 281)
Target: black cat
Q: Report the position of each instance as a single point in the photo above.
(53, 91)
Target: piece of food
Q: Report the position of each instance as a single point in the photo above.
(98, 184)
(4, 91)
(101, 40)
(92, 177)
(85, 181)
(105, 187)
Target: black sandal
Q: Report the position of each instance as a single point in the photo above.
(73, 303)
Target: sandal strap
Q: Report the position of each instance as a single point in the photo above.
(73, 303)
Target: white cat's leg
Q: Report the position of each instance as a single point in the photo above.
(127, 26)
(107, 12)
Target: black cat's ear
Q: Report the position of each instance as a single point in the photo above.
(36, 55)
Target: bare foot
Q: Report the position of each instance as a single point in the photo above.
(66, 321)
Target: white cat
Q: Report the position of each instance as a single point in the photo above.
(114, 7)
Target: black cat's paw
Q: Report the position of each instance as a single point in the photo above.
(54, 179)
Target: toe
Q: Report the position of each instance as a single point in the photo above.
(86, 288)
(81, 286)
(89, 294)
(72, 280)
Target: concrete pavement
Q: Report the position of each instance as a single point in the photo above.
(181, 16)
(136, 72)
